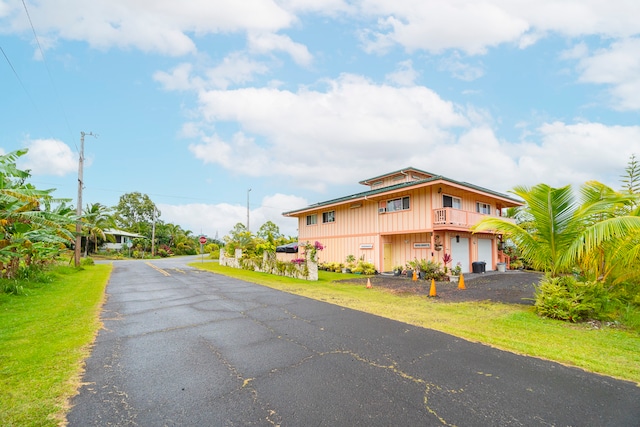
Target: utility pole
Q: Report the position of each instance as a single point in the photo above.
(79, 206)
(248, 209)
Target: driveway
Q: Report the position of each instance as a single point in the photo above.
(190, 348)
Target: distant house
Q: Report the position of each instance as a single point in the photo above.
(121, 239)
(405, 215)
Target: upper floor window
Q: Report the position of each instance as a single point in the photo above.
(328, 216)
(483, 208)
(312, 219)
(451, 202)
(400, 204)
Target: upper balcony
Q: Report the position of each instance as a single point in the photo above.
(444, 218)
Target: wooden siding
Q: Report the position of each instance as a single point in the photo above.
(359, 222)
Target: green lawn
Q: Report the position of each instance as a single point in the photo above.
(609, 351)
(44, 337)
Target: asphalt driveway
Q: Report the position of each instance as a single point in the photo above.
(186, 347)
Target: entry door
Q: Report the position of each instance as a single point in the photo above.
(460, 253)
(484, 252)
(387, 262)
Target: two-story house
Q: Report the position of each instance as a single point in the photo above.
(405, 215)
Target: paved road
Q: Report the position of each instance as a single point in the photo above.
(190, 348)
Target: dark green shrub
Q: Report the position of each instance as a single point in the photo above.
(565, 298)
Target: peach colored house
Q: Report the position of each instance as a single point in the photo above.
(405, 215)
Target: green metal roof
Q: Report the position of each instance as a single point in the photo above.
(400, 186)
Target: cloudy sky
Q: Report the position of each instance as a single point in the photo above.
(197, 101)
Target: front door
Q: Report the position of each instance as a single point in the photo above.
(387, 263)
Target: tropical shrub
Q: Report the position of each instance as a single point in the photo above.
(566, 298)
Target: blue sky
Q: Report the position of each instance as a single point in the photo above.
(196, 102)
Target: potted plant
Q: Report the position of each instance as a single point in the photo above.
(455, 272)
(397, 270)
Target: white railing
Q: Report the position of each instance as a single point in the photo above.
(460, 218)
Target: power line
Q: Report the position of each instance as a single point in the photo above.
(15, 73)
(46, 65)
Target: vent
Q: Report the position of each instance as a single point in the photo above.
(382, 210)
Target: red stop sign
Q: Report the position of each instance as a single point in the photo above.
(203, 240)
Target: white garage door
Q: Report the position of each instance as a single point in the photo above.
(460, 253)
(484, 252)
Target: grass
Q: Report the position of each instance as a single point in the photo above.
(609, 351)
(45, 335)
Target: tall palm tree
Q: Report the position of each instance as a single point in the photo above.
(97, 218)
(562, 232)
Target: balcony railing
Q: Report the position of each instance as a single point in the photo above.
(459, 218)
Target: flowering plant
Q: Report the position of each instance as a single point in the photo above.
(446, 259)
(311, 250)
(298, 261)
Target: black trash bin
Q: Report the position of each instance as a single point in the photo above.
(478, 266)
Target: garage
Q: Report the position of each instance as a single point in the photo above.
(460, 253)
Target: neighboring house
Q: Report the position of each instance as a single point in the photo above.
(121, 239)
(405, 215)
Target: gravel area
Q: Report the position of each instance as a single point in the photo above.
(513, 287)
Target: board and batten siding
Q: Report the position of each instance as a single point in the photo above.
(355, 228)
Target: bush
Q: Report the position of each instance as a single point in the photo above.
(565, 298)
(87, 261)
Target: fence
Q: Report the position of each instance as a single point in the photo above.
(307, 270)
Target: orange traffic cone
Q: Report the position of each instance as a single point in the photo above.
(432, 291)
(415, 276)
(461, 282)
(369, 283)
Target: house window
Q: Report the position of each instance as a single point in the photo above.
(328, 216)
(451, 202)
(312, 219)
(400, 204)
(483, 208)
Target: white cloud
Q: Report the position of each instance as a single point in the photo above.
(435, 26)
(179, 78)
(310, 133)
(264, 43)
(558, 154)
(576, 153)
(473, 27)
(461, 69)
(617, 66)
(166, 27)
(221, 218)
(49, 157)
(236, 68)
(405, 75)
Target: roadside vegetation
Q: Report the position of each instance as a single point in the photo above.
(587, 243)
(45, 334)
(612, 351)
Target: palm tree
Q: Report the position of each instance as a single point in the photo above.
(97, 218)
(561, 233)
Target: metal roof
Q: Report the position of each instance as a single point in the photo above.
(401, 186)
(113, 231)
